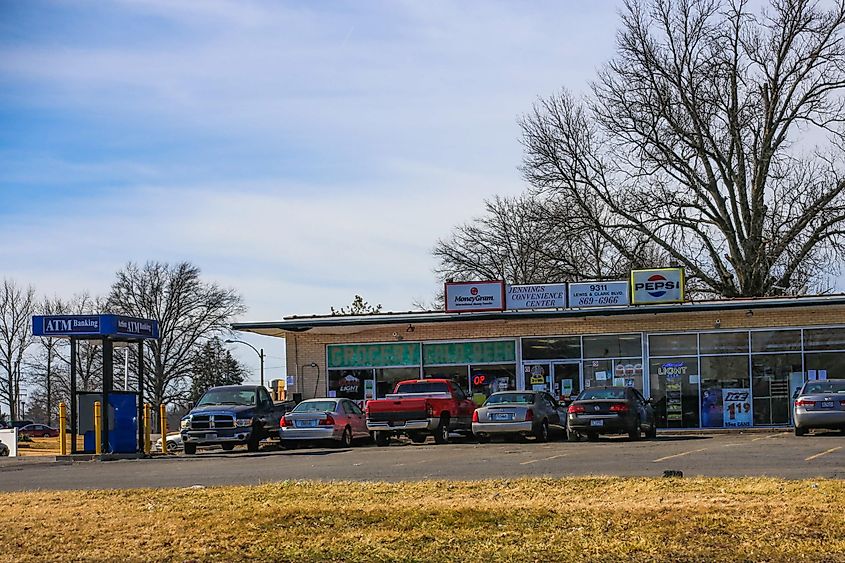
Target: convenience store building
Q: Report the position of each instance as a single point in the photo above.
(707, 364)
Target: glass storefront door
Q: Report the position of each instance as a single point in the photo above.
(537, 375)
(566, 380)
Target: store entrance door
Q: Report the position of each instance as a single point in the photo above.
(565, 380)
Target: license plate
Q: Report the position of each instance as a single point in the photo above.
(596, 423)
(306, 423)
(211, 436)
(502, 416)
(827, 404)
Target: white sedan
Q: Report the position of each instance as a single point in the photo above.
(174, 443)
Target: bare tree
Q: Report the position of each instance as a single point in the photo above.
(535, 238)
(188, 310)
(715, 135)
(17, 305)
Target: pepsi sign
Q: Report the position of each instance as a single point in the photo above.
(663, 285)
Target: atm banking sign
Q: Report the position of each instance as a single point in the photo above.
(663, 285)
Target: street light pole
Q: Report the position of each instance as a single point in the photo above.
(257, 351)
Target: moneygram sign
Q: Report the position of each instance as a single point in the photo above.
(663, 285)
(475, 296)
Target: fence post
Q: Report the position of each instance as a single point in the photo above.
(163, 418)
(63, 429)
(98, 430)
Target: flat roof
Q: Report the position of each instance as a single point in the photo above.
(340, 324)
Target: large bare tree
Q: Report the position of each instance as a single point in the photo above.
(534, 238)
(188, 310)
(715, 134)
(17, 305)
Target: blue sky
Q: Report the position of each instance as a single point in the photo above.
(301, 152)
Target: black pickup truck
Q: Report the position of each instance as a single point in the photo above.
(231, 415)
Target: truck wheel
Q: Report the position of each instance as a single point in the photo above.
(382, 438)
(190, 449)
(651, 433)
(228, 447)
(418, 437)
(441, 435)
(542, 432)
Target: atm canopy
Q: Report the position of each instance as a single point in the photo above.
(113, 327)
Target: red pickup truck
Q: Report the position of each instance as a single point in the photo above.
(419, 407)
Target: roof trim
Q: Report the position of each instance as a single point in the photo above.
(303, 324)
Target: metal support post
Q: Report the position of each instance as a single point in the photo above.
(108, 385)
(143, 408)
(74, 401)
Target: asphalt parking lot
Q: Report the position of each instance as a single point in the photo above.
(775, 454)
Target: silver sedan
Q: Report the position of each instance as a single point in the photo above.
(820, 404)
(340, 420)
(521, 413)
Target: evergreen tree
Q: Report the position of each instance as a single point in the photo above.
(213, 365)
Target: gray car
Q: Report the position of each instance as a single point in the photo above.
(340, 420)
(820, 404)
(520, 413)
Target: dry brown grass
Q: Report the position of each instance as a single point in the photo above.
(46, 446)
(607, 519)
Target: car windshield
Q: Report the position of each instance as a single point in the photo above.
(316, 406)
(824, 387)
(423, 387)
(610, 393)
(228, 397)
(511, 398)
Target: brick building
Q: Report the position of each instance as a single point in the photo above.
(728, 363)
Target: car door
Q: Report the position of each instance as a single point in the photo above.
(265, 409)
(356, 419)
(558, 410)
(642, 408)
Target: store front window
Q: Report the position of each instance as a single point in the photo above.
(725, 389)
(387, 378)
(485, 380)
(772, 376)
(348, 383)
(613, 359)
(458, 374)
(557, 348)
(675, 388)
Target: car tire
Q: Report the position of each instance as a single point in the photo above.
(382, 438)
(483, 439)
(171, 447)
(635, 433)
(441, 435)
(542, 432)
(190, 449)
(227, 447)
(418, 437)
(592, 436)
(799, 431)
(572, 436)
(345, 439)
(651, 433)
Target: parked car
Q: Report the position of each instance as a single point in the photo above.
(820, 404)
(339, 420)
(419, 407)
(231, 415)
(174, 443)
(4, 450)
(38, 431)
(522, 413)
(610, 410)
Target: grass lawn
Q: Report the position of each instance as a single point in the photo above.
(520, 520)
(46, 446)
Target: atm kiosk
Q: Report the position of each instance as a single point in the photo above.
(123, 411)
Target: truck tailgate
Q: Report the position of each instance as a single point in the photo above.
(386, 410)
